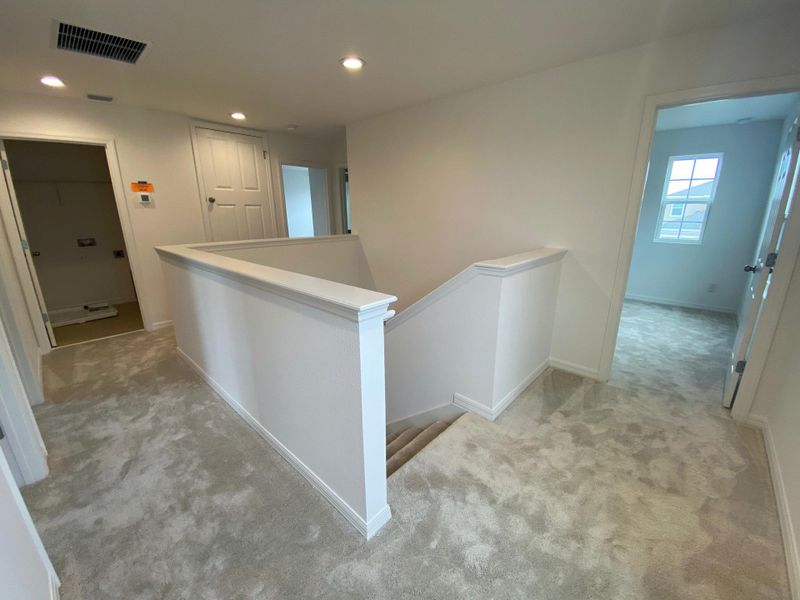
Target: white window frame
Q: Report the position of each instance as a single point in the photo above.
(665, 201)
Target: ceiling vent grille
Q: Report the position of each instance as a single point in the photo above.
(97, 43)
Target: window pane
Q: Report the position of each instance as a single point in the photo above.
(705, 168)
(669, 230)
(701, 188)
(691, 231)
(695, 213)
(673, 212)
(677, 189)
(682, 169)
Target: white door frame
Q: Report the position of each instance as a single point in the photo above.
(120, 198)
(339, 207)
(311, 165)
(196, 124)
(16, 415)
(772, 307)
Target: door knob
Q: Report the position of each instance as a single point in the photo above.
(752, 268)
(211, 200)
(36, 253)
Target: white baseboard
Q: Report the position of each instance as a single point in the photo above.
(787, 527)
(160, 325)
(366, 528)
(472, 406)
(484, 411)
(678, 303)
(574, 368)
(55, 587)
(518, 389)
(446, 412)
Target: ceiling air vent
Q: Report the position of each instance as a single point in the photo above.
(99, 98)
(97, 43)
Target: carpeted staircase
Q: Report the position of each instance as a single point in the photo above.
(402, 447)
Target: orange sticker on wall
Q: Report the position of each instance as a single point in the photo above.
(142, 186)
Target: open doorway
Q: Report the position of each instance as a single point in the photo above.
(305, 196)
(718, 183)
(64, 209)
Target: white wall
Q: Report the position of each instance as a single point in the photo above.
(478, 340)
(151, 145)
(543, 160)
(681, 274)
(777, 403)
(328, 153)
(154, 146)
(335, 258)
(25, 570)
(64, 193)
(303, 364)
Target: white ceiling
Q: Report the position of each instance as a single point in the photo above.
(725, 112)
(277, 60)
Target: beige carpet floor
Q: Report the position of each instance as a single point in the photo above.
(578, 491)
(128, 319)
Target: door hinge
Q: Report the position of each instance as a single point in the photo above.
(45, 318)
(25, 245)
(5, 164)
(740, 365)
(772, 258)
(265, 154)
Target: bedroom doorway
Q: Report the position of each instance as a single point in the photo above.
(60, 203)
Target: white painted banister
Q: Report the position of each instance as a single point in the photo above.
(477, 340)
(255, 332)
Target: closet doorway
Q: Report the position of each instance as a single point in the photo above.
(61, 201)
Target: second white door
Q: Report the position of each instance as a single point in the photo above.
(235, 186)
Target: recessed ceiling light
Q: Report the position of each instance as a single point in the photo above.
(52, 81)
(239, 116)
(352, 63)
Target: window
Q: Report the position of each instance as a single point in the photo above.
(689, 190)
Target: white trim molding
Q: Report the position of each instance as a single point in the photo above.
(121, 201)
(355, 303)
(788, 530)
(666, 302)
(476, 341)
(285, 326)
(366, 528)
(515, 393)
(574, 368)
(652, 104)
(500, 267)
(474, 407)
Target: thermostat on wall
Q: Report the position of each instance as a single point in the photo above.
(143, 189)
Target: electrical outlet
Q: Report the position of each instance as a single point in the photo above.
(712, 287)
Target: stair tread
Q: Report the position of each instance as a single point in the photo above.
(414, 446)
(390, 438)
(401, 440)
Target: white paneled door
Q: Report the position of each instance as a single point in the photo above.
(11, 216)
(236, 186)
(766, 261)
